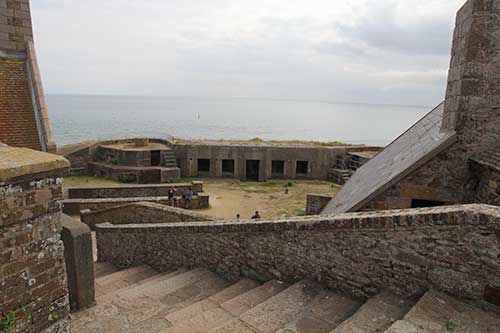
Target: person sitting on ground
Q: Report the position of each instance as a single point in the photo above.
(256, 216)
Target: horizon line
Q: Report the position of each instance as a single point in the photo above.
(246, 97)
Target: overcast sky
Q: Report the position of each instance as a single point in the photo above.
(380, 51)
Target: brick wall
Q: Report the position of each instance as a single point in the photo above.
(33, 283)
(17, 120)
(15, 25)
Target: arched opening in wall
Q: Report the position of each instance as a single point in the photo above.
(419, 203)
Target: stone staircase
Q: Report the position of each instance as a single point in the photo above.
(170, 160)
(139, 299)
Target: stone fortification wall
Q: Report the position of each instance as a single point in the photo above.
(453, 249)
(32, 269)
(140, 213)
(128, 191)
(320, 159)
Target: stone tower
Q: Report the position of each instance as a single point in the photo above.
(24, 118)
(452, 155)
(472, 106)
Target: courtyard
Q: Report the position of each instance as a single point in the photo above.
(229, 197)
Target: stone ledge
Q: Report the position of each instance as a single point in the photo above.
(18, 162)
(380, 220)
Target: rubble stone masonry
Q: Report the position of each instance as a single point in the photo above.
(454, 249)
(33, 287)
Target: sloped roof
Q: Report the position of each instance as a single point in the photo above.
(488, 157)
(404, 155)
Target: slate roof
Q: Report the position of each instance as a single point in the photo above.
(488, 157)
(404, 155)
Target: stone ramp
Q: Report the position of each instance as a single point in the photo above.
(139, 299)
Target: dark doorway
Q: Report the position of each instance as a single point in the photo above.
(155, 158)
(253, 167)
(278, 168)
(203, 165)
(417, 203)
(302, 167)
(228, 166)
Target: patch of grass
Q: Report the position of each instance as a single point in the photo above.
(88, 180)
(7, 321)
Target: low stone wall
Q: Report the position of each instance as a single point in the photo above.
(33, 286)
(74, 206)
(140, 213)
(452, 249)
(131, 191)
(145, 175)
(316, 202)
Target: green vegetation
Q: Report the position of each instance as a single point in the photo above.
(7, 321)
(88, 180)
(450, 326)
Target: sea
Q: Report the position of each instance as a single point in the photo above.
(77, 118)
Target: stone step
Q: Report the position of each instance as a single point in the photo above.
(184, 297)
(143, 307)
(228, 310)
(240, 304)
(122, 279)
(103, 268)
(161, 276)
(212, 302)
(326, 311)
(376, 315)
(437, 312)
(293, 309)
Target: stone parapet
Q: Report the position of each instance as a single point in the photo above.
(453, 249)
(32, 269)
